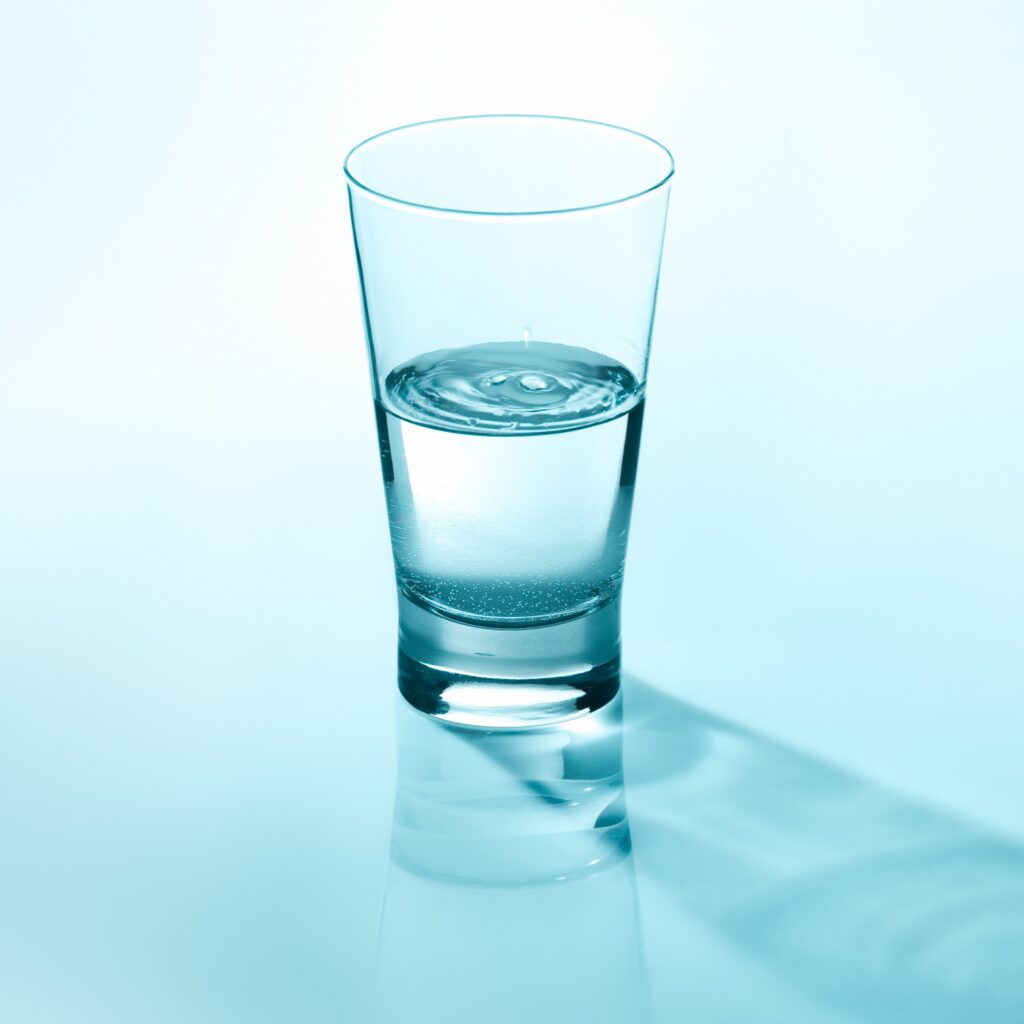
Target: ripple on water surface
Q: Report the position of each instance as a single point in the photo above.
(511, 386)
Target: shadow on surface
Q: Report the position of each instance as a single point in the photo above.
(876, 905)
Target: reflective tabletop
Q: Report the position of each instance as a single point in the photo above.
(805, 807)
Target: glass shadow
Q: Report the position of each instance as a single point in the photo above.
(875, 905)
(511, 892)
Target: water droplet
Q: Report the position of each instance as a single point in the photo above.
(498, 378)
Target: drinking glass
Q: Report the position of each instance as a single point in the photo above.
(509, 269)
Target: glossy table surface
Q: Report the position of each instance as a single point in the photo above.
(822, 715)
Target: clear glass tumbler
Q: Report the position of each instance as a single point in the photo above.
(509, 269)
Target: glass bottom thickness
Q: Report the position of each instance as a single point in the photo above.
(497, 678)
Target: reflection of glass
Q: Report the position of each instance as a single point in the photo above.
(509, 268)
(511, 894)
(510, 807)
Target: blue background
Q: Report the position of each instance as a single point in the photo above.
(825, 588)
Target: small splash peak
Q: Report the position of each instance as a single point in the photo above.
(536, 381)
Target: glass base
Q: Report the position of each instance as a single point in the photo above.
(507, 678)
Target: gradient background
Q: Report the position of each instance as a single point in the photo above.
(196, 607)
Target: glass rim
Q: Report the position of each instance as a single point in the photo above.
(399, 201)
